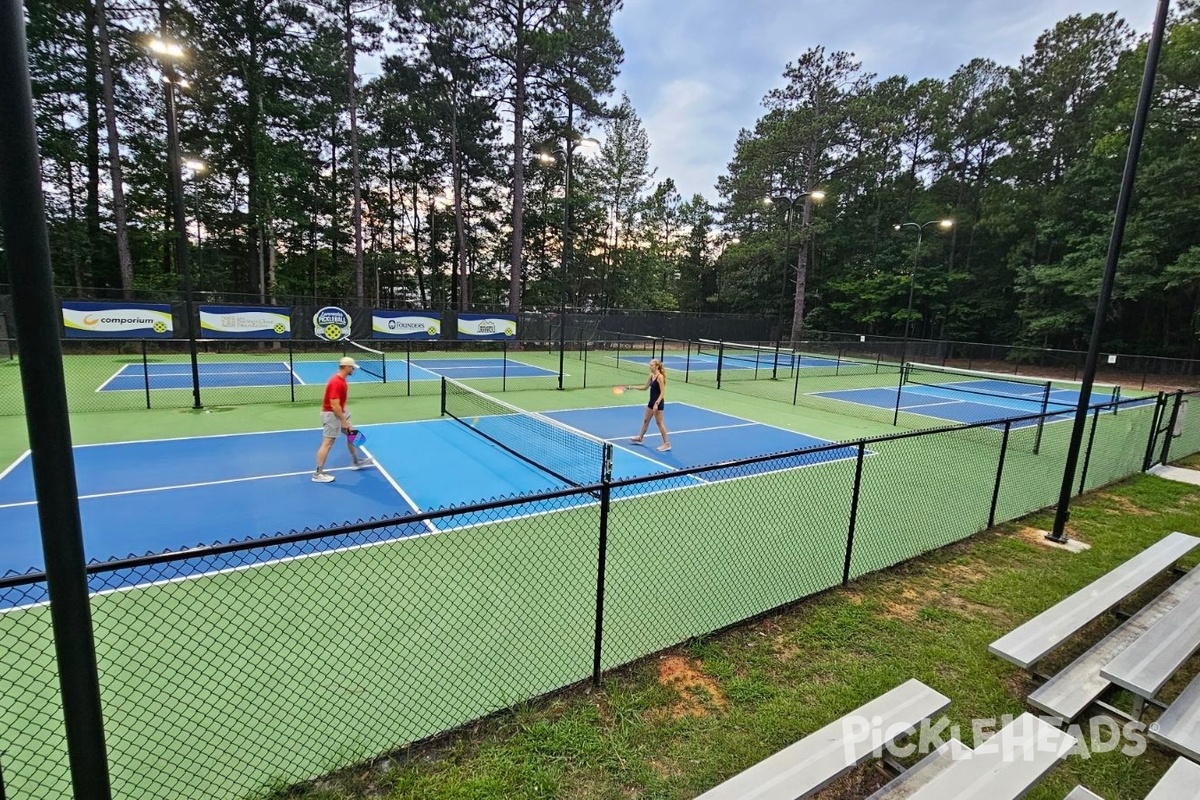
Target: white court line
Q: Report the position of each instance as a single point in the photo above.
(149, 489)
(13, 465)
(756, 422)
(113, 377)
(403, 494)
(928, 405)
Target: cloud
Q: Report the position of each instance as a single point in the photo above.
(696, 72)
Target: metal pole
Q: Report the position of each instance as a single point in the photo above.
(911, 282)
(174, 167)
(38, 317)
(1110, 271)
(566, 256)
(787, 245)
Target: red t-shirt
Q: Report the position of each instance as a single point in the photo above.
(335, 387)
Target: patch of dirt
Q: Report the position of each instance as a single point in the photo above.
(1038, 537)
(907, 606)
(698, 693)
(966, 573)
(664, 769)
(1126, 506)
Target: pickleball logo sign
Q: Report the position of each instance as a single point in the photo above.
(331, 324)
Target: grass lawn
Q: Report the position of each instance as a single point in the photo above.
(677, 723)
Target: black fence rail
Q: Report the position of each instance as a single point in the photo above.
(234, 669)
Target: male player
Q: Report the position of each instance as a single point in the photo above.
(335, 419)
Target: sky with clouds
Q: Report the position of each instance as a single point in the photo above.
(696, 71)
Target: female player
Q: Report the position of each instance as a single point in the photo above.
(657, 383)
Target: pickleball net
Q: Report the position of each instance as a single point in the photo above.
(572, 456)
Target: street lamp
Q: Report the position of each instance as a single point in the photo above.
(168, 53)
(944, 224)
(586, 143)
(791, 197)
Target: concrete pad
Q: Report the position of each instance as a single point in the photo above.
(1070, 545)
(1180, 474)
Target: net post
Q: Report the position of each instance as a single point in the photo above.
(687, 363)
(720, 360)
(1159, 405)
(999, 473)
(1170, 431)
(585, 346)
(504, 367)
(601, 565)
(796, 385)
(443, 395)
(1041, 425)
(899, 391)
(775, 360)
(291, 370)
(858, 467)
(146, 373)
(383, 362)
(1087, 454)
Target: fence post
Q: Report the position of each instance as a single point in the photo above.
(999, 473)
(1160, 403)
(504, 367)
(1170, 431)
(1087, 455)
(862, 450)
(407, 368)
(291, 370)
(585, 346)
(601, 565)
(146, 381)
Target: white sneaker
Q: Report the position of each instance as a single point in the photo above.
(322, 477)
(362, 463)
(662, 448)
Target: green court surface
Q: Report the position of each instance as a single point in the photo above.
(221, 686)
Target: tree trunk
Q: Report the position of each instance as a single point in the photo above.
(124, 259)
(355, 172)
(801, 273)
(95, 248)
(518, 184)
(460, 265)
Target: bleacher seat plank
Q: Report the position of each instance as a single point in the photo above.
(1148, 663)
(821, 757)
(1179, 782)
(1005, 766)
(922, 772)
(1179, 726)
(1029, 643)
(1079, 684)
(1080, 793)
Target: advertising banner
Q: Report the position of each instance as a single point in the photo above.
(245, 322)
(406, 325)
(487, 326)
(116, 320)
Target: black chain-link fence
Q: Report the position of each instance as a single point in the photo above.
(230, 670)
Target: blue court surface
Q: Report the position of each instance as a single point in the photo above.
(248, 374)
(969, 401)
(172, 494)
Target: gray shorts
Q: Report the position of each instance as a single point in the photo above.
(331, 426)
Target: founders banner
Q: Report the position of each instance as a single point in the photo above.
(93, 320)
(487, 326)
(406, 325)
(245, 322)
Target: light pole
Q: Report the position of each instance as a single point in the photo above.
(168, 53)
(586, 143)
(791, 197)
(912, 279)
